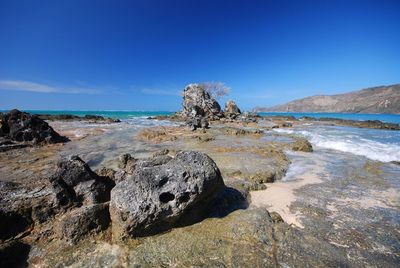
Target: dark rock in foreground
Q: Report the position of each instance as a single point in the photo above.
(23, 127)
(75, 183)
(83, 220)
(161, 195)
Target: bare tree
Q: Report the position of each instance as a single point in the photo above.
(216, 89)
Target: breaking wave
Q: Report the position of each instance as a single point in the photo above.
(380, 145)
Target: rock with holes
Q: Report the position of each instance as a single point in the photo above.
(162, 194)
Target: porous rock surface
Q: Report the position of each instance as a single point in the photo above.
(164, 192)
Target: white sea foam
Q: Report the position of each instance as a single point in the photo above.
(377, 145)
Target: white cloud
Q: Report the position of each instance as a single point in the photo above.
(18, 85)
(150, 91)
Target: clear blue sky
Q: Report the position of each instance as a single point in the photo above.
(138, 55)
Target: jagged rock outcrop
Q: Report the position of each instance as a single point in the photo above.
(231, 110)
(75, 193)
(197, 122)
(23, 127)
(75, 183)
(199, 103)
(164, 192)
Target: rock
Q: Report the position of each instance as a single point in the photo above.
(20, 208)
(24, 127)
(302, 145)
(14, 254)
(197, 122)
(231, 109)
(127, 163)
(75, 183)
(106, 172)
(262, 177)
(276, 217)
(198, 103)
(81, 221)
(13, 223)
(158, 197)
(244, 238)
(240, 131)
(70, 117)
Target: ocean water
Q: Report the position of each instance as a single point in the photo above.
(388, 118)
(112, 114)
(375, 144)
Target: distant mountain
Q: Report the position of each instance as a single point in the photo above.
(382, 99)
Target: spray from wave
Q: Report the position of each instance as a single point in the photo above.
(380, 145)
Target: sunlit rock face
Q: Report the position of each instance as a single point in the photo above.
(157, 197)
(198, 102)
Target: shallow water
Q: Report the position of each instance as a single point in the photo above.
(375, 144)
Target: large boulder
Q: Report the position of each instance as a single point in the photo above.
(162, 194)
(24, 127)
(199, 103)
(231, 110)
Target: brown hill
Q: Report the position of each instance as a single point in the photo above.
(382, 99)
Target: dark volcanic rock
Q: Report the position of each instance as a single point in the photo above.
(24, 127)
(14, 254)
(75, 182)
(198, 103)
(81, 221)
(70, 117)
(158, 197)
(197, 122)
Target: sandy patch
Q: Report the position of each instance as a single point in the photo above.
(279, 195)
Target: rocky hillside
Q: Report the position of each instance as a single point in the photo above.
(382, 99)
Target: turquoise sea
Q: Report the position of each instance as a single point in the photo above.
(376, 144)
(389, 118)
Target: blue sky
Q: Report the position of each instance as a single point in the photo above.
(138, 55)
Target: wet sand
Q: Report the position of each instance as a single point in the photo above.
(281, 194)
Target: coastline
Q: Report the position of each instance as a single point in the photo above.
(257, 162)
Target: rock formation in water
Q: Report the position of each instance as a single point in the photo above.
(382, 99)
(19, 126)
(199, 103)
(231, 110)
